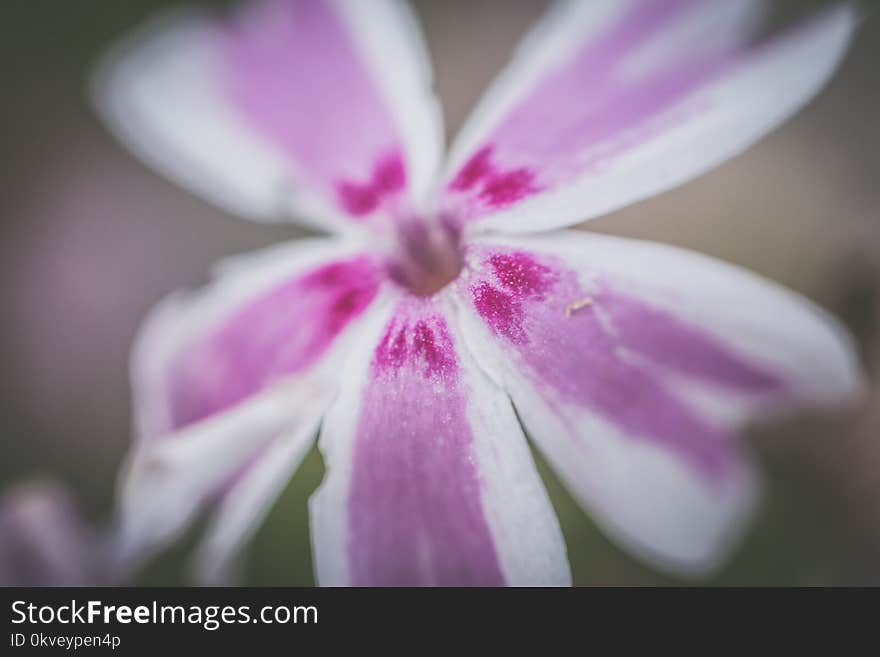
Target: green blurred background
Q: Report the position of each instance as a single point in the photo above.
(91, 239)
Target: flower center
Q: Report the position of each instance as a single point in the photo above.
(427, 256)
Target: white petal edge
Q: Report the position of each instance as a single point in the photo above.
(242, 510)
(748, 112)
(523, 524)
(166, 483)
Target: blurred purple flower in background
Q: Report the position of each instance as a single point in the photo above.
(43, 540)
(410, 336)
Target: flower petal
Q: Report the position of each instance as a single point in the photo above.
(318, 107)
(633, 365)
(607, 103)
(231, 376)
(167, 482)
(244, 505)
(429, 478)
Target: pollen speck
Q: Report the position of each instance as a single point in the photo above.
(577, 304)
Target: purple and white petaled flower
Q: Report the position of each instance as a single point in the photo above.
(410, 336)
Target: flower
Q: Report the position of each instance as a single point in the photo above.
(443, 303)
(43, 539)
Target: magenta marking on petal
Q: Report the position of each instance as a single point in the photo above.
(496, 188)
(415, 507)
(357, 200)
(504, 189)
(522, 275)
(283, 332)
(388, 179)
(669, 342)
(501, 310)
(392, 351)
(426, 341)
(475, 170)
(574, 343)
(389, 175)
(296, 75)
(588, 111)
(435, 349)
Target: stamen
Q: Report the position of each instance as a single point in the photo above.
(428, 255)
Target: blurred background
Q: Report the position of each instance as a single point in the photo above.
(90, 239)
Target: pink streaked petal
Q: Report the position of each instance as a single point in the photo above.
(430, 481)
(629, 382)
(608, 103)
(228, 375)
(415, 513)
(167, 483)
(294, 71)
(277, 316)
(280, 333)
(565, 337)
(315, 107)
(690, 316)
